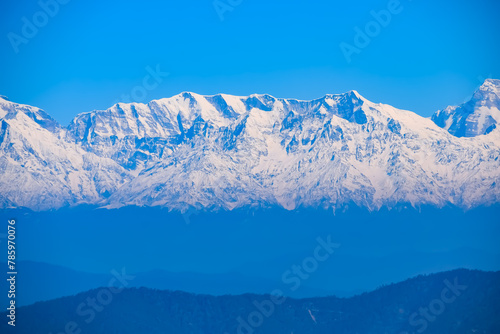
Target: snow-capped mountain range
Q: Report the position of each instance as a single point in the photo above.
(225, 152)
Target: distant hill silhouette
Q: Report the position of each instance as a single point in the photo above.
(42, 281)
(458, 301)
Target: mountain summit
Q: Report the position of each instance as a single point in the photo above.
(224, 152)
(479, 116)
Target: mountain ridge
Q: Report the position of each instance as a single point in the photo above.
(223, 152)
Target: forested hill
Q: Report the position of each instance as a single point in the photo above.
(459, 301)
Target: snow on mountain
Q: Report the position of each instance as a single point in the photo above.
(40, 170)
(479, 116)
(327, 152)
(224, 152)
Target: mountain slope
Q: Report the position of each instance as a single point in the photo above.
(479, 116)
(459, 301)
(41, 170)
(224, 152)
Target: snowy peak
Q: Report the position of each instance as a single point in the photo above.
(488, 94)
(479, 116)
(10, 110)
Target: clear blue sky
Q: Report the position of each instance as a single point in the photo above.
(90, 53)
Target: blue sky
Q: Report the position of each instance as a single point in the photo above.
(89, 54)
